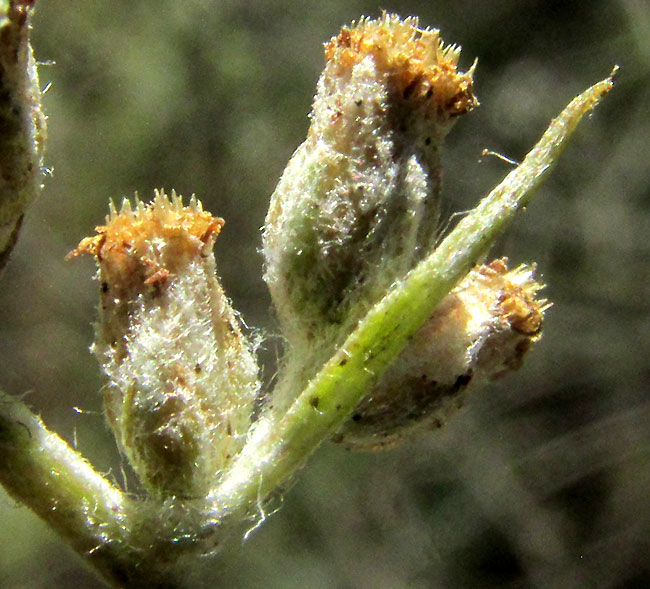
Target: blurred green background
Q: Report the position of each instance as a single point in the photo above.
(543, 480)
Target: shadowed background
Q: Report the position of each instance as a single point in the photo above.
(542, 481)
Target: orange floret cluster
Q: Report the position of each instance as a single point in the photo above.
(148, 242)
(419, 65)
(517, 302)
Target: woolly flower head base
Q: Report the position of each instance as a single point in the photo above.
(419, 65)
(182, 378)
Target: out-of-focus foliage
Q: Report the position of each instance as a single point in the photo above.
(543, 480)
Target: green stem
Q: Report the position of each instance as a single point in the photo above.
(42, 471)
(277, 450)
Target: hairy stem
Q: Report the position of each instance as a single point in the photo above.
(42, 471)
(113, 533)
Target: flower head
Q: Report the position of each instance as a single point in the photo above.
(182, 378)
(357, 206)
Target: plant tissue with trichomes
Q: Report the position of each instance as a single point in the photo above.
(181, 377)
(358, 207)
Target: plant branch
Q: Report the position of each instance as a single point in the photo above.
(42, 471)
(125, 539)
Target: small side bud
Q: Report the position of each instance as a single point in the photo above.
(357, 205)
(22, 123)
(182, 379)
(479, 332)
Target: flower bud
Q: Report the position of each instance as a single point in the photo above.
(22, 123)
(479, 332)
(357, 206)
(181, 377)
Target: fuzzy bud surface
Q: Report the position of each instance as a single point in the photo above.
(357, 206)
(480, 332)
(182, 378)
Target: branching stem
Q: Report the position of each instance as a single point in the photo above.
(111, 530)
